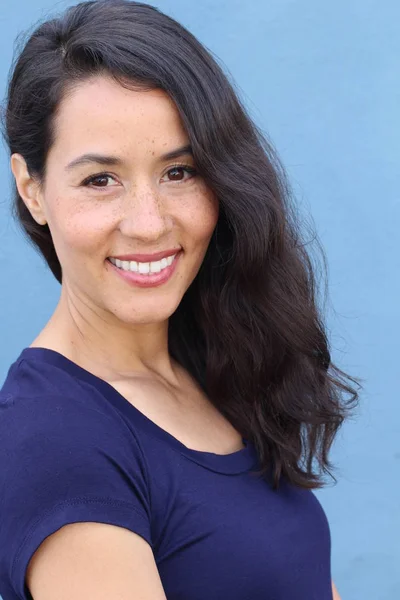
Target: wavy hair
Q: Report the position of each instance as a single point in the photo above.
(248, 329)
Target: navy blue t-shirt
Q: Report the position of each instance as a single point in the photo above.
(73, 449)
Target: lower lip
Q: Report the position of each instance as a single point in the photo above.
(151, 280)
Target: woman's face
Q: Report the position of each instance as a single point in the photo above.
(138, 203)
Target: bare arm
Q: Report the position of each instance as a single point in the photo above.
(335, 592)
(94, 560)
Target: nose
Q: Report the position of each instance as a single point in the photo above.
(144, 216)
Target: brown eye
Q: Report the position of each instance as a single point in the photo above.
(98, 181)
(177, 173)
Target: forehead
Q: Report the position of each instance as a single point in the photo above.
(102, 111)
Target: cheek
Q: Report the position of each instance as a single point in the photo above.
(201, 216)
(76, 227)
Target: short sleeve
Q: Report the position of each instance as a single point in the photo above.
(62, 460)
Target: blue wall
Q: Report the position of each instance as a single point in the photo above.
(322, 79)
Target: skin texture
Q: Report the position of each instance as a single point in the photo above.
(104, 324)
(107, 326)
(141, 208)
(94, 560)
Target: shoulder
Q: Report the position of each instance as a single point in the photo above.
(51, 419)
(39, 399)
(40, 373)
(63, 461)
(52, 424)
(53, 429)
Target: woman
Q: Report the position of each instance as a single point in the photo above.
(160, 434)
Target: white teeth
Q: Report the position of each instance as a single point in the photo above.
(155, 267)
(143, 268)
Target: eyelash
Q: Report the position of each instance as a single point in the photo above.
(92, 178)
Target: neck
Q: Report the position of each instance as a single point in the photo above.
(100, 343)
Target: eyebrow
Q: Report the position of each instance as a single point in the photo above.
(115, 160)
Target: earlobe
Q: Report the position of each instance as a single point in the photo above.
(28, 188)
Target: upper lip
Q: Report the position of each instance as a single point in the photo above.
(147, 257)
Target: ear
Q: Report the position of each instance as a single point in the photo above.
(28, 188)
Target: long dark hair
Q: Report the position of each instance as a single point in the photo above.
(248, 329)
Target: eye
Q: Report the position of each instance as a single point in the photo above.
(176, 169)
(100, 179)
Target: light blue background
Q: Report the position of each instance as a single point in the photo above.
(323, 80)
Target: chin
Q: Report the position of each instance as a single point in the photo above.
(145, 315)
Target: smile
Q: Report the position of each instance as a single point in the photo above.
(144, 268)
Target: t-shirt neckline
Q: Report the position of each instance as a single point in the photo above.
(231, 464)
